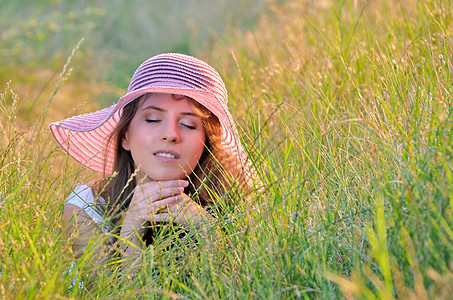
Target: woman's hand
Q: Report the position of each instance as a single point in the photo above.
(183, 211)
(188, 212)
(149, 199)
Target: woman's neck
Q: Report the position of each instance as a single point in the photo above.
(142, 177)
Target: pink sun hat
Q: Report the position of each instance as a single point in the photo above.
(85, 137)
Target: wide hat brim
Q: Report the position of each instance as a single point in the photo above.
(86, 137)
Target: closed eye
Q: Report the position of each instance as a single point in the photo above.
(152, 121)
(189, 126)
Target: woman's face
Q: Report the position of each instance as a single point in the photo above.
(165, 137)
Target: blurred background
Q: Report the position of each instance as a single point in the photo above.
(36, 38)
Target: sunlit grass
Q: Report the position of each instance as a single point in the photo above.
(346, 110)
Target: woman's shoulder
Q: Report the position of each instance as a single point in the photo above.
(82, 196)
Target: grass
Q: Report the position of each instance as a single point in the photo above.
(346, 110)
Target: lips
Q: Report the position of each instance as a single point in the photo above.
(167, 154)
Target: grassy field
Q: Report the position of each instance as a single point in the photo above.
(346, 110)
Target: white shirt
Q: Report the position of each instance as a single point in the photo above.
(83, 197)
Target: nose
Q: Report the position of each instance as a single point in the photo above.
(170, 134)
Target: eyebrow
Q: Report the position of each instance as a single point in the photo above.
(164, 110)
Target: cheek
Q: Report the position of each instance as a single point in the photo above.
(202, 144)
(199, 147)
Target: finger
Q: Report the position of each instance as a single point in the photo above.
(168, 183)
(178, 182)
(165, 193)
(160, 189)
(165, 203)
(161, 217)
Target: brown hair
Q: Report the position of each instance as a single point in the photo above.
(216, 173)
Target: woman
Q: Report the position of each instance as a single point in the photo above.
(167, 150)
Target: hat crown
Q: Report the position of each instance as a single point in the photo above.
(180, 71)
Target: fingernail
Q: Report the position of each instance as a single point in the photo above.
(185, 183)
